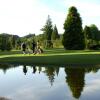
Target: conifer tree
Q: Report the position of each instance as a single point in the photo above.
(73, 37)
(55, 34)
(47, 31)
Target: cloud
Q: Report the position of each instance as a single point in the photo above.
(41, 92)
(16, 16)
(29, 16)
(91, 90)
(93, 85)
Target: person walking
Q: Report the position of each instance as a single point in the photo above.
(39, 50)
(33, 46)
(23, 47)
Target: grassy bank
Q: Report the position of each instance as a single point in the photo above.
(52, 57)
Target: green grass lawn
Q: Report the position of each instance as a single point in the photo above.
(52, 57)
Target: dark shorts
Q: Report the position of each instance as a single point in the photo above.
(23, 49)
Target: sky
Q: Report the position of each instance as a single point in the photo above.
(21, 17)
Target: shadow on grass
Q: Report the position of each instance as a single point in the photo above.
(53, 51)
(10, 52)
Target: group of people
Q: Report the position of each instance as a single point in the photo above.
(36, 49)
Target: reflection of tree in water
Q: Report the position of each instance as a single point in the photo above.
(25, 69)
(57, 70)
(92, 69)
(95, 70)
(3, 98)
(5, 67)
(75, 80)
(50, 72)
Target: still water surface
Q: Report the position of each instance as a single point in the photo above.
(49, 83)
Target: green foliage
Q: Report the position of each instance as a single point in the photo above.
(55, 34)
(18, 44)
(87, 32)
(57, 43)
(29, 35)
(73, 37)
(5, 43)
(28, 39)
(92, 36)
(9, 45)
(41, 39)
(13, 40)
(1, 43)
(29, 42)
(47, 31)
(88, 36)
(95, 32)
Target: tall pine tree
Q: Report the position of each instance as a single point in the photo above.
(88, 36)
(47, 30)
(55, 34)
(73, 37)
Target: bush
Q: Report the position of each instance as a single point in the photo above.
(94, 47)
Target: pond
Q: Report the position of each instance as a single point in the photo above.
(21, 82)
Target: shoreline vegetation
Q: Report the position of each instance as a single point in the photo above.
(59, 57)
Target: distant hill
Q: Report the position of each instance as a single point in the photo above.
(29, 36)
(10, 35)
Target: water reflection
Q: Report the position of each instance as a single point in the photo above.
(25, 69)
(3, 98)
(34, 69)
(73, 77)
(75, 80)
(6, 67)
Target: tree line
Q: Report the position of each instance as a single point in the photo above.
(77, 38)
(73, 38)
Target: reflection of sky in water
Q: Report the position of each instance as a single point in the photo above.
(17, 86)
(92, 87)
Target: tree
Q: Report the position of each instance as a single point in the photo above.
(92, 36)
(7, 41)
(88, 36)
(41, 39)
(87, 32)
(95, 33)
(13, 40)
(47, 30)
(55, 34)
(3, 42)
(18, 43)
(9, 44)
(73, 37)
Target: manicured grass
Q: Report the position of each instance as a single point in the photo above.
(52, 57)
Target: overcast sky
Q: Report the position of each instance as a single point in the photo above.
(22, 17)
